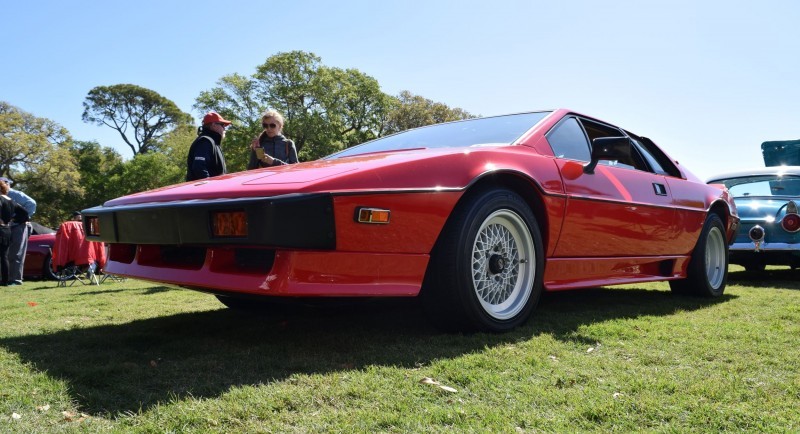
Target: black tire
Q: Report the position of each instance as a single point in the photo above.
(66, 273)
(487, 267)
(707, 272)
(47, 268)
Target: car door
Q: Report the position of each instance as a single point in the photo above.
(622, 209)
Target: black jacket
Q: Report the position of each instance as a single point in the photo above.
(280, 148)
(205, 157)
(10, 211)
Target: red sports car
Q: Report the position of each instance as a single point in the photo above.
(476, 217)
(38, 257)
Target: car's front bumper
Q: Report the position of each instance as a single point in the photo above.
(302, 245)
(285, 272)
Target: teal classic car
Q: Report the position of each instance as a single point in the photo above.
(767, 200)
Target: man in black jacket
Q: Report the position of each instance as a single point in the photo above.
(10, 213)
(205, 155)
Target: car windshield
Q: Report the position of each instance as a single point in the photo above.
(498, 130)
(763, 185)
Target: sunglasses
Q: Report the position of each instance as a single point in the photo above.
(269, 125)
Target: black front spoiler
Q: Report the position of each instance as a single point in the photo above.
(291, 221)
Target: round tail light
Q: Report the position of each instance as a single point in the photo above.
(756, 233)
(791, 222)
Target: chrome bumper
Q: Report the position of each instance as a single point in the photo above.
(751, 246)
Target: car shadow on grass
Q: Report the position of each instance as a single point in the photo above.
(116, 369)
(44, 285)
(773, 277)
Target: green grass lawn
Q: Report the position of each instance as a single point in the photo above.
(139, 357)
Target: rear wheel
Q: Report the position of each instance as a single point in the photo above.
(708, 269)
(486, 269)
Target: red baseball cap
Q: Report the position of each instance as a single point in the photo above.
(212, 117)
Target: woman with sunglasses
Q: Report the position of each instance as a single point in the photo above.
(271, 148)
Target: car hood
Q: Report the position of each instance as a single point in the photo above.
(411, 169)
(41, 237)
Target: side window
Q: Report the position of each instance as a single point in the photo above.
(651, 160)
(568, 141)
(595, 130)
(665, 165)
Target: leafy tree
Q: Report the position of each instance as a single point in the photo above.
(97, 166)
(146, 172)
(361, 107)
(326, 109)
(235, 98)
(62, 176)
(414, 111)
(133, 110)
(296, 85)
(106, 176)
(176, 143)
(34, 153)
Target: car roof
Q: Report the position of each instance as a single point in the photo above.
(39, 229)
(772, 170)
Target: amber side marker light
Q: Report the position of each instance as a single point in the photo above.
(372, 215)
(92, 226)
(229, 223)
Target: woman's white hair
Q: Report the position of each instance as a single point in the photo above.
(272, 114)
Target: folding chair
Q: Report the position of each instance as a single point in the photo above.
(64, 274)
(75, 273)
(113, 277)
(74, 258)
(106, 275)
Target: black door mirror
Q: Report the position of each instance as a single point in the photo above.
(609, 148)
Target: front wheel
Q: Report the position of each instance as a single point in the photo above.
(47, 268)
(486, 269)
(63, 274)
(707, 272)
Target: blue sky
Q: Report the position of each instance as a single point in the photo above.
(706, 80)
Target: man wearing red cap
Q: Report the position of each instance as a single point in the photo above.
(205, 155)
